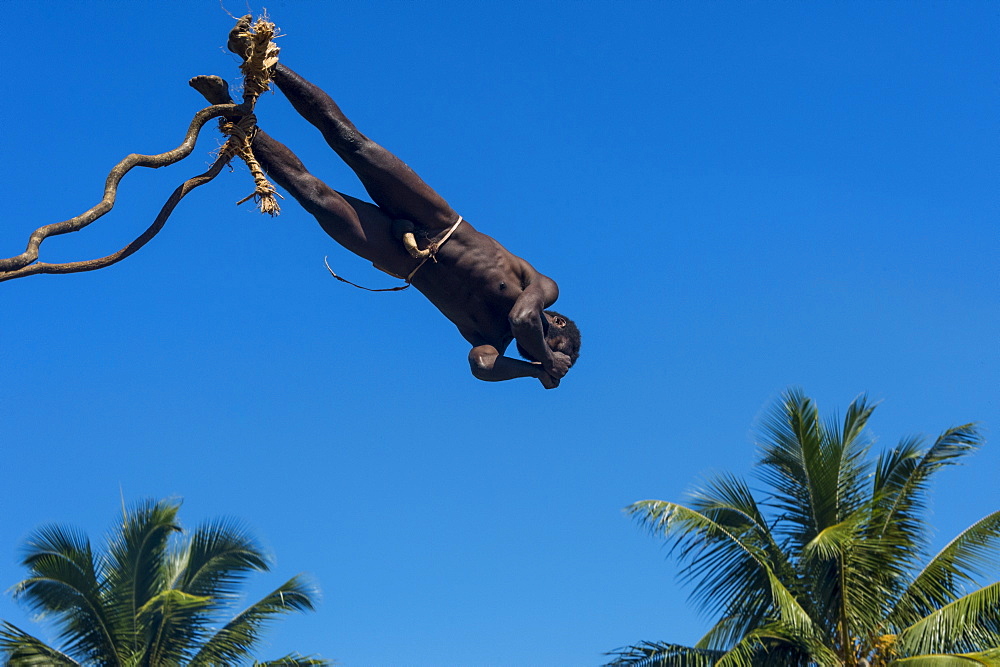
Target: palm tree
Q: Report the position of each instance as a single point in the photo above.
(832, 568)
(153, 597)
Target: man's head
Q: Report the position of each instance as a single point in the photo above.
(561, 335)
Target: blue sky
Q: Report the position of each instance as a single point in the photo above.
(734, 198)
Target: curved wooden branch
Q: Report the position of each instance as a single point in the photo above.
(261, 55)
(14, 267)
(92, 264)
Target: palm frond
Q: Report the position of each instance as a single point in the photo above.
(871, 570)
(864, 572)
(899, 504)
(815, 471)
(776, 644)
(970, 623)
(63, 582)
(990, 658)
(896, 465)
(967, 558)
(217, 560)
(727, 631)
(234, 641)
(23, 650)
(744, 653)
(790, 612)
(724, 561)
(171, 625)
(789, 432)
(727, 500)
(828, 571)
(904, 486)
(831, 542)
(657, 654)
(202, 577)
(135, 565)
(295, 660)
(849, 444)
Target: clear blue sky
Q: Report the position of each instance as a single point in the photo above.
(735, 198)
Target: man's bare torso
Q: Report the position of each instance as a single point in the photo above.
(474, 281)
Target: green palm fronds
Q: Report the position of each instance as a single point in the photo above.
(155, 596)
(831, 566)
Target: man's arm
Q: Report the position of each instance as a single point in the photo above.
(529, 329)
(489, 365)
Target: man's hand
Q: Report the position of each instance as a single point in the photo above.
(548, 381)
(238, 40)
(556, 371)
(558, 366)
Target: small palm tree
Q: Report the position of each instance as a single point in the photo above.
(154, 598)
(832, 568)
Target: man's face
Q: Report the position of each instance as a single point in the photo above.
(553, 338)
(557, 343)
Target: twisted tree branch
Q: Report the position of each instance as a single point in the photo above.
(20, 265)
(27, 263)
(151, 231)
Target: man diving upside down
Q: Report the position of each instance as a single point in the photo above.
(492, 296)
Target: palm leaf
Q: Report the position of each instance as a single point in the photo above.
(202, 575)
(217, 560)
(63, 582)
(966, 558)
(847, 443)
(727, 631)
(789, 441)
(903, 487)
(135, 566)
(718, 547)
(970, 623)
(656, 654)
(171, 625)
(123, 609)
(828, 574)
(294, 660)
(990, 658)
(234, 641)
(727, 501)
(779, 645)
(721, 557)
(24, 650)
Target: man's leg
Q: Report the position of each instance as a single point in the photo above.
(391, 184)
(352, 223)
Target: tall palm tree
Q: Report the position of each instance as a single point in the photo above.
(832, 567)
(154, 597)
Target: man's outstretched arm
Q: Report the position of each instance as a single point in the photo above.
(489, 365)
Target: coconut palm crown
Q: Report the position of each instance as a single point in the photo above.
(832, 567)
(155, 596)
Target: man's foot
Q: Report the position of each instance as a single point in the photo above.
(214, 88)
(239, 37)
